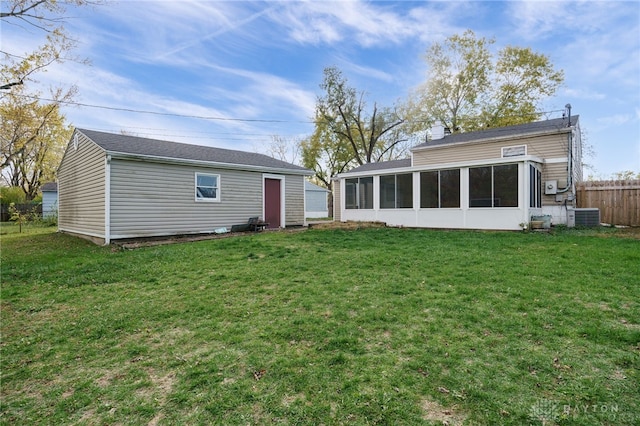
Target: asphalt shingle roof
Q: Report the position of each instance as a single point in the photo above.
(383, 165)
(498, 132)
(50, 187)
(134, 145)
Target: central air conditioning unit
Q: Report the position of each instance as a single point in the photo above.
(587, 217)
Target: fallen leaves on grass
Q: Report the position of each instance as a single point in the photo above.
(259, 374)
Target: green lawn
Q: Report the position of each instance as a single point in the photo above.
(369, 326)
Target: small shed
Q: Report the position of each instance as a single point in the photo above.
(114, 186)
(49, 200)
(315, 198)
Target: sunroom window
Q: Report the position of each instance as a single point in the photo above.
(535, 187)
(493, 186)
(440, 189)
(396, 191)
(359, 193)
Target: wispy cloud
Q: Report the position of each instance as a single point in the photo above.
(268, 92)
(369, 24)
(230, 25)
(584, 93)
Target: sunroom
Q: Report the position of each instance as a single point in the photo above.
(501, 194)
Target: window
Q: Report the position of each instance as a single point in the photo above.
(535, 187)
(493, 186)
(207, 187)
(505, 185)
(359, 193)
(440, 189)
(396, 191)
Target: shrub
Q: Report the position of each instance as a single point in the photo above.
(12, 195)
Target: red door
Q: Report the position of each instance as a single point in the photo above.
(272, 202)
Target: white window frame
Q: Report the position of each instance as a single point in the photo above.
(217, 188)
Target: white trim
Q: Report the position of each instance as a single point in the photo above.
(304, 202)
(556, 160)
(107, 200)
(218, 188)
(442, 166)
(283, 193)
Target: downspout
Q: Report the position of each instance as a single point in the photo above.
(107, 201)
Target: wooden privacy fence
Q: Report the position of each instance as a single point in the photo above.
(618, 200)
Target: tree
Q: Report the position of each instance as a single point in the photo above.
(32, 132)
(347, 134)
(284, 149)
(468, 89)
(626, 175)
(325, 154)
(32, 139)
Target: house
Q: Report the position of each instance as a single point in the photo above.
(315, 198)
(491, 179)
(49, 200)
(114, 186)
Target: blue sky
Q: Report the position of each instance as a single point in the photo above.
(256, 66)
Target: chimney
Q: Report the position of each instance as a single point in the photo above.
(437, 131)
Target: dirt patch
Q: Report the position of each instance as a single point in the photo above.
(163, 386)
(435, 412)
(134, 243)
(347, 225)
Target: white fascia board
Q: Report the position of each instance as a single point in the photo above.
(559, 160)
(210, 164)
(496, 139)
(443, 166)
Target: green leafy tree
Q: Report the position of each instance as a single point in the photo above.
(326, 154)
(32, 138)
(468, 88)
(11, 194)
(33, 132)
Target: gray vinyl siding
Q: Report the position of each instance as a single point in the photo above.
(81, 189)
(159, 199)
(294, 200)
